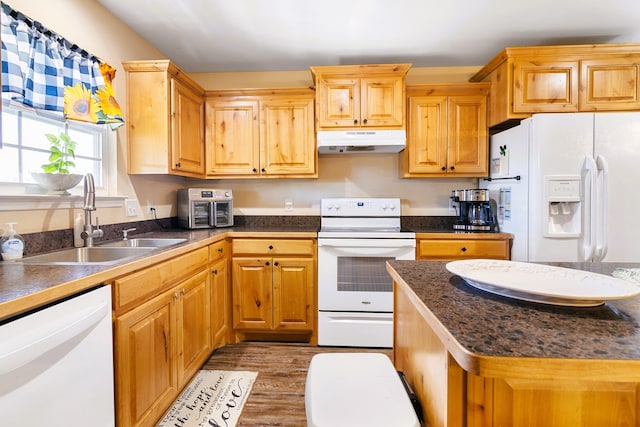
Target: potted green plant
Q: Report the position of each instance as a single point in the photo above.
(57, 178)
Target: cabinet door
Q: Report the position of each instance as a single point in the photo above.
(426, 150)
(187, 130)
(221, 303)
(233, 145)
(545, 86)
(610, 84)
(338, 103)
(194, 325)
(467, 136)
(145, 348)
(252, 293)
(287, 137)
(382, 102)
(148, 128)
(294, 305)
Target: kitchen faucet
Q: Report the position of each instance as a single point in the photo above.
(90, 205)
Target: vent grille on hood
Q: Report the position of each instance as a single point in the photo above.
(361, 141)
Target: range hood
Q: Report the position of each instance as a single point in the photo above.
(361, 141)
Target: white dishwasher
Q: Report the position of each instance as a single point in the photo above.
(56, 364)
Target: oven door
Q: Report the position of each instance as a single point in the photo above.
(352, 273)
(223, 214)
(201, 214)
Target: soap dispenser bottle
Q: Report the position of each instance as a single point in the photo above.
(11, 244)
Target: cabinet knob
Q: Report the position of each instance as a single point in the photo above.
(178, 165)
(267, 263)
(452, 168)
(444, 168)
(355, 121)
(364, 121)
(276, 263)
(270, 247)
(175, 295)
(183, 291)
(220, 250)
(463, 249)
(254, 170)
(214, 271)
(263, 170)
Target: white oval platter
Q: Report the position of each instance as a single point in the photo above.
(543, 283)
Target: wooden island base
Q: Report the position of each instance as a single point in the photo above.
(458, 387)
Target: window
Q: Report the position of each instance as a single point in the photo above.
(25, 148)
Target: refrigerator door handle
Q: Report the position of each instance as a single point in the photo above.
(589, 173)
(602, 203)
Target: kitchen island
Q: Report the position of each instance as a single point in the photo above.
(478, 359)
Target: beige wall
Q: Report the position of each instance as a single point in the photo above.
(89, 25)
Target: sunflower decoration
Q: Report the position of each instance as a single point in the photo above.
(109, 109)
(97, 106)
(107, 104)
(79, 103)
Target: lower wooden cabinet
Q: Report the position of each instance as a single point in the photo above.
(146, 369)
(445, 246)
(220, 294)
(274, 286)
(193, 325)
(162, 335)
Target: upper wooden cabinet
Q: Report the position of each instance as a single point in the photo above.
(261, 133)
(353, 96)
(527, 80)
(446, 131)
(165, 120)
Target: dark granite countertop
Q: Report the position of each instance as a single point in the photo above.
(485, 324)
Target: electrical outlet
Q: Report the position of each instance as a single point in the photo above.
(288, 205)
(131, 206)
(150, 208)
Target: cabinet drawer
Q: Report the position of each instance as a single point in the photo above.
(456, 249)
(139, 286)
(217, 250)
(274, 247)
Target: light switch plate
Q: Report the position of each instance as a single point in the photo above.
(131, 207)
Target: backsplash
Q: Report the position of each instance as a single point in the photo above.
(46, 241)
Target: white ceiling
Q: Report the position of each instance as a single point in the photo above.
(271, 35)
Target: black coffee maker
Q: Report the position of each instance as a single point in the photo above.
(475, 211)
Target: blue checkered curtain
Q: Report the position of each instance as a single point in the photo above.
(43, 70)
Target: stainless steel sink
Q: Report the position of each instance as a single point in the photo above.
(143, 242)
(92, 255)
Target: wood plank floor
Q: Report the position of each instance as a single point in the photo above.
(277, 396)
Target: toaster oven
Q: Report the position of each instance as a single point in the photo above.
(205, 208)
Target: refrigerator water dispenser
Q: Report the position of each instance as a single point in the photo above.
(562, 216)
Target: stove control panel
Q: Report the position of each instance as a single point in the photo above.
(365, 207)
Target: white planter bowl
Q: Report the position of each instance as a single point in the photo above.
(57, 183)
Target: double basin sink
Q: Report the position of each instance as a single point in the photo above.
(106, 253)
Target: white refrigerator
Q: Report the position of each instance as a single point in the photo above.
(566, 186)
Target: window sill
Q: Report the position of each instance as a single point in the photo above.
(22, 202)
